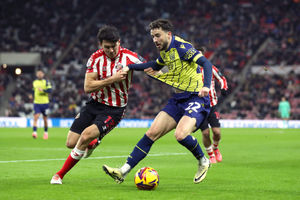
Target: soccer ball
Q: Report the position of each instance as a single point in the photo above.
(146, 178)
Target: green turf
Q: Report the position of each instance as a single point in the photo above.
(257, 164)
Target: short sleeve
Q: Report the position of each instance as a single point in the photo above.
(91, 65)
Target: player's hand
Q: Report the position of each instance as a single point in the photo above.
(203, 92)
(40, 89)
(152, 72)
(120, 75)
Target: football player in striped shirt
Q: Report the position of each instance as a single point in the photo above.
(41, 89)
(212, 149)
(186, 109)
(108, 87)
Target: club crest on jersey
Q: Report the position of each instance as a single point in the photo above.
(104, 68)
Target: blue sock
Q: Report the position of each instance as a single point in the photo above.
(46, 129)
(34, 128)
(193, 146)
(140, 151)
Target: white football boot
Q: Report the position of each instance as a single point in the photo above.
(56, 180)
(203, 166)
(115, 173)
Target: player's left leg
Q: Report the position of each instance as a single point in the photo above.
(216, 139)
(185, 127)
(35, 119)
(45, 118)
(206, 139)
(73, 138)
(208, 145)
(88, 135)
(214, 121)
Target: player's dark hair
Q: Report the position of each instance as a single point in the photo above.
(109, 33)
(39, 69)
(164, 24)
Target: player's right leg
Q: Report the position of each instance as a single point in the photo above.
(162, 124)
(214, 122)
(45, 118)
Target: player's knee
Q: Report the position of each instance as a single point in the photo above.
(216, 131)
(86, 135)
(70, 145)
(180, 135)
(205, 133)
(153, 134)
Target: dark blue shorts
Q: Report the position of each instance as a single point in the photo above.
(189, 104)
(41, 108)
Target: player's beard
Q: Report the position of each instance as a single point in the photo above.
(113, 54)
(165, 45)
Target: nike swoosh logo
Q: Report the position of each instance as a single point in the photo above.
(197, 179)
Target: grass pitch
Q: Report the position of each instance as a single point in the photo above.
(257, 164)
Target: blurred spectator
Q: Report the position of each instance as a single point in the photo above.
(231, 30)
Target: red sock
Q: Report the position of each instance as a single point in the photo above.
(215, 146)
(69, 163)
(72, 159)
(210, 154)
(92, 143)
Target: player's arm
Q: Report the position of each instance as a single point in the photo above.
(142, 66)
(151, 68)
(190, 54)
(92, 84)
(207, 69)
(220, 78)
(48, 87)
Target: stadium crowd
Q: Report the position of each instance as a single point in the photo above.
(231, 30)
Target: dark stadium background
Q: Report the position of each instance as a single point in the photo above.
(241, 36)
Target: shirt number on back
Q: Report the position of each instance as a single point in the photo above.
(194, 106)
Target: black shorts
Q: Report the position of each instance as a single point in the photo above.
(103, 116)
(212, 119)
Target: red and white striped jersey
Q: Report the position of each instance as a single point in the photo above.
(115, 94)
(216, 75)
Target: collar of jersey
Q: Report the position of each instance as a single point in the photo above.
(172, 43)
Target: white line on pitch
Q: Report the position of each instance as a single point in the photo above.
(91, 158)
